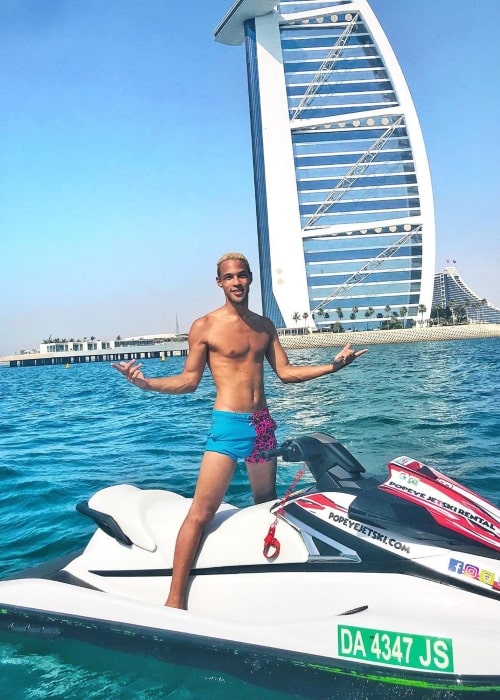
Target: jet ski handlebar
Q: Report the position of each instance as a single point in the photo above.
(330, 463)
(289, 451)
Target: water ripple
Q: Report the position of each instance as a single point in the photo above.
(65, 433)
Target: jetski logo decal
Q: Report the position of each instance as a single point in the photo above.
(396, 648)
(489, 578)
(369, 532)
(473, 517)
(327, 509)
(408, 479)
(452, 506)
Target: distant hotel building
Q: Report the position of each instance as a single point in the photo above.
(85, 345)
(344, 201)
(450, 290)
(70, 352)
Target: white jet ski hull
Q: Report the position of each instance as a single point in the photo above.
(387, 631)
(375, 590)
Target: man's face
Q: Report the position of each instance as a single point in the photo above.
(235, 280)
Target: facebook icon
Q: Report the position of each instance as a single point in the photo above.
(456, 566)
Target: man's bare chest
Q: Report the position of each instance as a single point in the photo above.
(240, 345)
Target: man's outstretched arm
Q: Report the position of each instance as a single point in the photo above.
(288, 373)
(185, 382)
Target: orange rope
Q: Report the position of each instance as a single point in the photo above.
(271, 544)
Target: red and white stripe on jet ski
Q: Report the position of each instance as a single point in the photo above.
(318, 502)
(417, 467)
(450, 504)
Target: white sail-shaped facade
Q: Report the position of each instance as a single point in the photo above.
(343, 191)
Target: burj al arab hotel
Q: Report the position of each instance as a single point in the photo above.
(345, 212)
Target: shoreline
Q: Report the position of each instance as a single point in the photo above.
(471, 331)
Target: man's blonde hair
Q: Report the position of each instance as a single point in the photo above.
(232, 256)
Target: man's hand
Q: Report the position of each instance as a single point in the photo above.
(346, 356)
(132, 372)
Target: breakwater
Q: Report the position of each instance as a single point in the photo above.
(471, 331)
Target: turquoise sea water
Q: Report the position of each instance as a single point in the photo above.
(64, 433)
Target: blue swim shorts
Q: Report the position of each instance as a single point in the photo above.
(242, 435)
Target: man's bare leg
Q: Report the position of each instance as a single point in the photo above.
(215, 475)
(262, 476)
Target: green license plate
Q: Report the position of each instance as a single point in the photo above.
(396, 648)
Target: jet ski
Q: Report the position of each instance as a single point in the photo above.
(351, 587)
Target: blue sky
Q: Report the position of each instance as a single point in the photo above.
(125, 157)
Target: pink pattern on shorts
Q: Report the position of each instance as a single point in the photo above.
(265, 438)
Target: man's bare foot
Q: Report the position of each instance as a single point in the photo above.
(172, 603)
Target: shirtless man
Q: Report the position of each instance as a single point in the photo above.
(233, 341)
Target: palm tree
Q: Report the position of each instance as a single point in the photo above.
(320, 312)
(460, 313)
(403, 311)
(467, 306)
(435, 312)
(452, 309)
(354, 312)
(483, 303)
(339, 313)
(368, 314)
(296, 317)
(422, 308)
(305, 316)
(387, 309)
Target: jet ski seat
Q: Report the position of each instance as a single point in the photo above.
(122, 512)
(150, 519)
